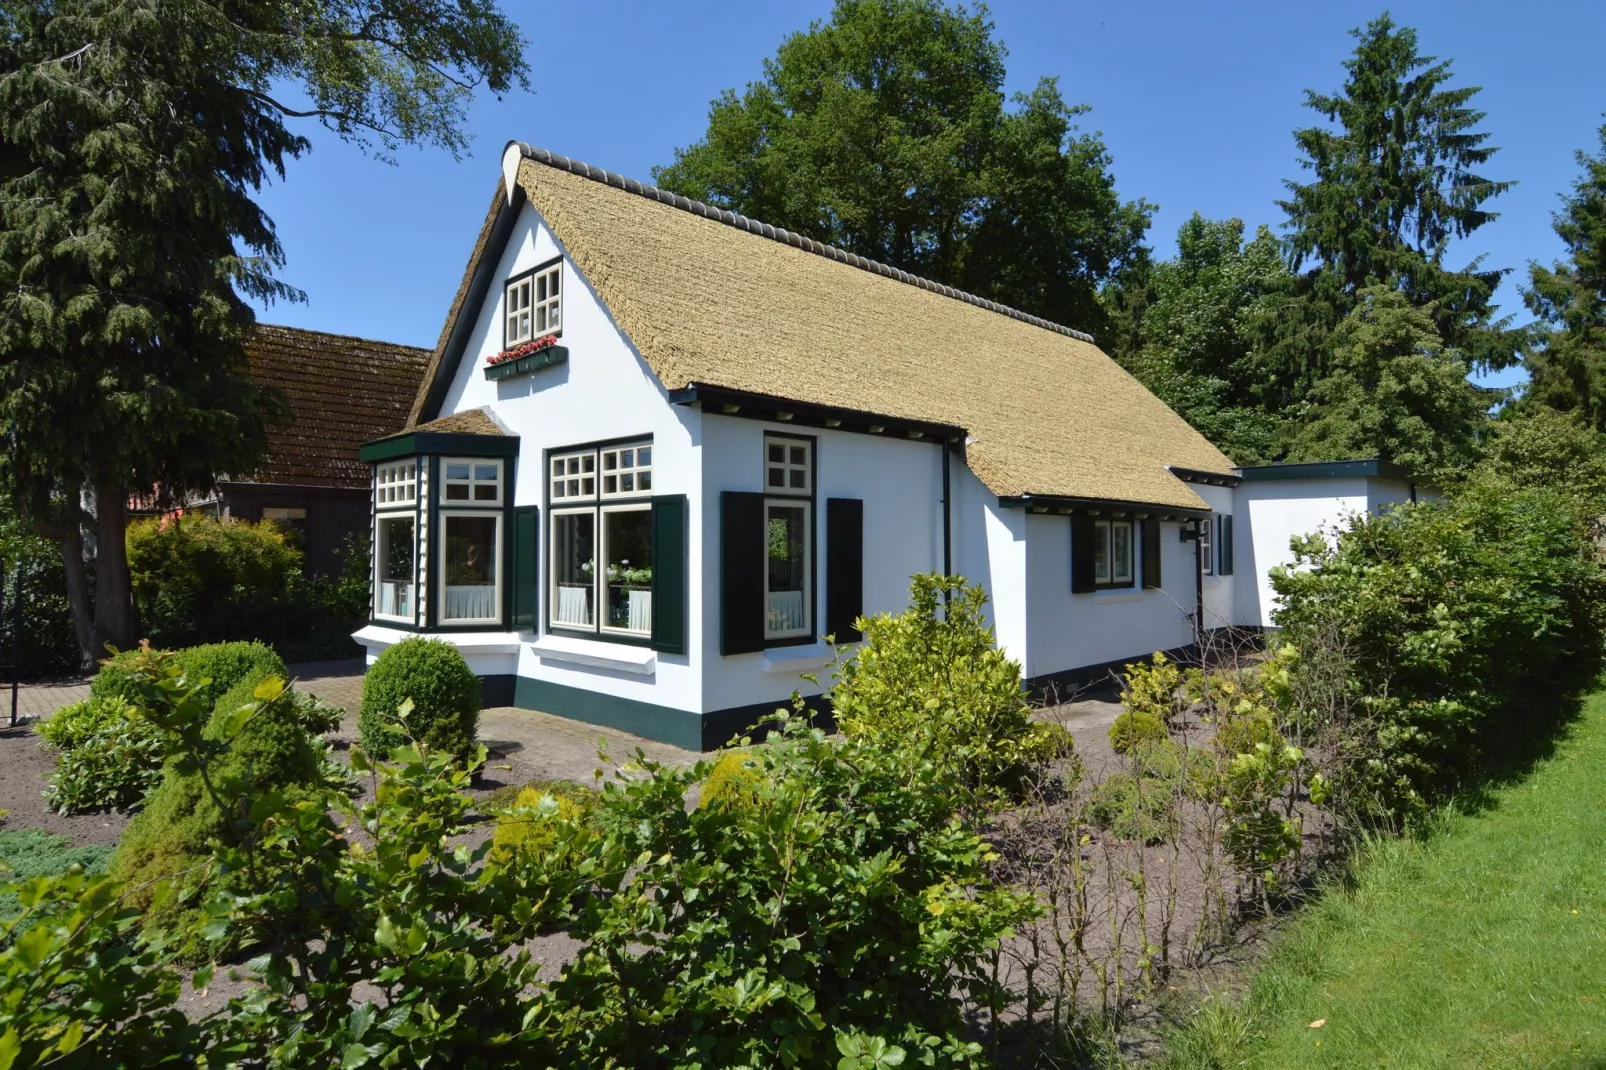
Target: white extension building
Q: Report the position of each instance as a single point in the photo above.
(661, 450)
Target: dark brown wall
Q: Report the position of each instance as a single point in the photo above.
(332, 514)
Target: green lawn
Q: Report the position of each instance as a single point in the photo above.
(1481, 946)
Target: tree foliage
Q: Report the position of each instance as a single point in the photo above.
(884, 131)
(133, 136)
(1567, 368)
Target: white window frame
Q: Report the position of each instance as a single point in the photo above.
(473, 482)
(636, 469)
(787, 466)
(400, 491)
(557, 493)
(496, 558)
(1207, 546)
(555, 512)
(600, 571)
(533, 305)
(807, 505)
(1103, 534)
(380, 548)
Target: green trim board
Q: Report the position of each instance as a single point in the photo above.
(770, 408)
(1370, 469)
(665, 724)
(437, 442)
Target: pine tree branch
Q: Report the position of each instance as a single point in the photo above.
(318, 113)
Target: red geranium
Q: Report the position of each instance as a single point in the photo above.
(546, 341)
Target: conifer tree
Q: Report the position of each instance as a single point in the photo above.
(1396, 178)
(133, 135)
(1568, 368)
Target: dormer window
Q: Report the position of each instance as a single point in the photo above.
(533, 305)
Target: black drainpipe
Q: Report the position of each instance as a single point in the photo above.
(1198, 588)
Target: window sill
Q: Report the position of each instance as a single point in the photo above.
(467, 642)
(791, 661)
(619, 657)
(1116, 595)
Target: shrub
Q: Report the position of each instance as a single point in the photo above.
(444, 691)
(226, 664)
(114, 768)
(48, 646)
(1152, 687)
(1135, 727)
(1134, 807)
(30, 853)
(934, 674)
(71, 726)
(166, 848)
(1453, 623)
(532, 825)
(733, 779)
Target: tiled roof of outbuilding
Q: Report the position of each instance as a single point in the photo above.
(343, 391)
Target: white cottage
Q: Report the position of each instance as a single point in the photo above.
(662, 449)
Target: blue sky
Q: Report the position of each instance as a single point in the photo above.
(1196, 102)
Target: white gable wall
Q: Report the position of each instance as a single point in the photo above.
(603, 391)
(1274, 512)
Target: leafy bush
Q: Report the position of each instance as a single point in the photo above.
(533, 823)
(113, 768)
(1134, 727)
(733, 779)
(202, 579)
(1452, 623)
(935, 673)
(444, 691)
(225, 664)
(48, 646)
(72, 725)
(1134, 807)
(1154, 687)
(841, 909)
(166, 849)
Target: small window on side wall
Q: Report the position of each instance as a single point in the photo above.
(1207, 547)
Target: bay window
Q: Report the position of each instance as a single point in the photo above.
(394, 544)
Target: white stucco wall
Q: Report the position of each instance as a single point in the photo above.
(1220, 592)
(900, 483)
(1277, 510)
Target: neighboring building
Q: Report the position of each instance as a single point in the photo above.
(342, 391)
(1279, 501)
(661, 449)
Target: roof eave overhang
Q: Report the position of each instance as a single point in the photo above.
(741, 403)
(413, 443)
(1369, 468)
(1206, 478)
(1064, 506)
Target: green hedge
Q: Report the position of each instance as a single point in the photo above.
(225, 663)
(444, 691)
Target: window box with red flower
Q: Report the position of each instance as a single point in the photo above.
(543, 352)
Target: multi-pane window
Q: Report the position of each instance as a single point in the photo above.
(786, 466)
(1207, 547)
(574, 476)
(601, 540)
(626, 470)
(394, 544)
(476, 481)
(533, 306)
(788, 474)
(471, 548)
(396, 484)
(1112, 553)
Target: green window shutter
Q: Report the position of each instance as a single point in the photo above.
(1224, 544)
(1082, 574)
(670, 566)
(741, 572)
(526, 543)
(844, 567)
(1151, 552)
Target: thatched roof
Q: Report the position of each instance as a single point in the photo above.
(343, 391)
(468, 422)
(711, 298)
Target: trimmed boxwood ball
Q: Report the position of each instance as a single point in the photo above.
(1134, 727)
(445, 694)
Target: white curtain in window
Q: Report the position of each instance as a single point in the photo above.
(786, 611)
